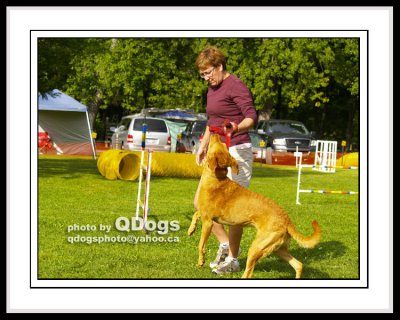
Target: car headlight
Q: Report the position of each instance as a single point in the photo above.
(281, 142)
(313, 143)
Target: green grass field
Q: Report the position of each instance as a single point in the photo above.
(74, 196)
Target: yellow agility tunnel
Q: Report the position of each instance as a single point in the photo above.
(118, 164)
(125, 165)
(348, 160)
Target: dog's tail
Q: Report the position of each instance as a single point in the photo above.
(306, 242)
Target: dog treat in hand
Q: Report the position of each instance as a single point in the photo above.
(230, 127)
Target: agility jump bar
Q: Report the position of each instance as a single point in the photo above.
(300, 166)
(323, 166)
(328, 191)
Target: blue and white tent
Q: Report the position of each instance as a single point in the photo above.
(67, 123)
(177, 115)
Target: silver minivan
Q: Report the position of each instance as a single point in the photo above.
(128, 134)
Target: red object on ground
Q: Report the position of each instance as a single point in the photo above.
(44, 141)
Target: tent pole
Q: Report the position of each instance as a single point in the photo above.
(90, 135)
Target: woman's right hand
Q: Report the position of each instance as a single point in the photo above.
(200, 155)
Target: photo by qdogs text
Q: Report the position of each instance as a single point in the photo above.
(158, 229)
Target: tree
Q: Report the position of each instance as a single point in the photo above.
(289, 74)
(311, 79)
(89, 78)
(152, 73)
(54, 56)
(346, 74)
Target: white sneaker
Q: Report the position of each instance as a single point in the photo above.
(228, 266)
(222, 253)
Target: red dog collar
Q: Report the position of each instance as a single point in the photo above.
(229, 128)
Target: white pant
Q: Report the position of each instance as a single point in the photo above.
(244, 157)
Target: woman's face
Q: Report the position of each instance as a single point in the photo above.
(213, 75)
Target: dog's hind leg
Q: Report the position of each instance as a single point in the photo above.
(261, 247)
(205, 233)
(284, 254)
(192, 227)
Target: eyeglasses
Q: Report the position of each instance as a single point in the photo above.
(207, 73)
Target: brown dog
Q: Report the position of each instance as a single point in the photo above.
(225, 201)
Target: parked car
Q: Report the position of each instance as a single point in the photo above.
(258, 145)
(286, 135)
(191, 137)
(283, 136)
(108, 134)
(128, 134)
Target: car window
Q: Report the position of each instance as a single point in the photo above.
(125, 122)
(153, 125)
(286, 127)
(261, 124)
(188, 127)
(255, 139)
(200, 127)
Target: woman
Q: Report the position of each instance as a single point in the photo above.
(228, 99)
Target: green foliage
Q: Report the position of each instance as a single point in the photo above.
(283, 74)
(293, 72)
(54, 59)
(346, 70)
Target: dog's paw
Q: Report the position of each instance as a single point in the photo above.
(200, 262)
(191, 230)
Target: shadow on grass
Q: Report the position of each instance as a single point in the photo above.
(323, 253)
(271, 172)
(67, 168)
(75, 168)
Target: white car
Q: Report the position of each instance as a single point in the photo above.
(128, 134)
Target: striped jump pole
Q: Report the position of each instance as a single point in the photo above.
(313, 190)
(147, 189)
(328, 191)
(145, 204)
(138, 201)
(322, 166)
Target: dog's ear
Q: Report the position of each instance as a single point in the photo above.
(234, 165)
(212, 163)
(225, 160)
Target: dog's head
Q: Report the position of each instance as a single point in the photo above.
(219, 158)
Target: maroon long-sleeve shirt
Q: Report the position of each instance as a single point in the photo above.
(230, 100)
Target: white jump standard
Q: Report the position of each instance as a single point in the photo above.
(313, 190)
(325, 156)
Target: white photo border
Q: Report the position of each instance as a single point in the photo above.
(23, 23)
(362, 282)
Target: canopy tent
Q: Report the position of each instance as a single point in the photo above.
(175, 128)
(176, 121)
(67, 123)
(177, 115)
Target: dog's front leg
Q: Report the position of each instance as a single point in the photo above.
(205, 233)
(192, 227)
